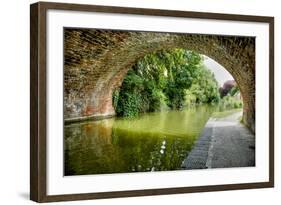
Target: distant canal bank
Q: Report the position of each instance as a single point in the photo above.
(152, 142)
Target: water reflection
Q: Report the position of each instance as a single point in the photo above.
(152, 142)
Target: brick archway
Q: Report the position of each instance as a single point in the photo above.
(96, 61)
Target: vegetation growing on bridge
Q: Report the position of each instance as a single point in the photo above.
(166, 80)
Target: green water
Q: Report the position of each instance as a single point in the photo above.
(151, 142)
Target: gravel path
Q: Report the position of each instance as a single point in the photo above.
(224, 142)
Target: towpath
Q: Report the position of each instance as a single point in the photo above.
(224, 142)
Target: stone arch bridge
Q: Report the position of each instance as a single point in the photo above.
(96, 62)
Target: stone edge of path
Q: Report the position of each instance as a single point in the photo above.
(199, 155)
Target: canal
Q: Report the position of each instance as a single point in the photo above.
(151, 142)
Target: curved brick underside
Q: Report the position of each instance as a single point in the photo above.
(96, 62)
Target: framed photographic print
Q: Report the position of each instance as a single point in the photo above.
(134, 102)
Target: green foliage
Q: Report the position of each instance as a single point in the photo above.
(127, 101)
(180, 76)
(234, 91)
(204, 87)
(230, 102)
(164, 79)
(129, 104)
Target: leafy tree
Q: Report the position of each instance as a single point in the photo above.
(205, 87)
(165, 79)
